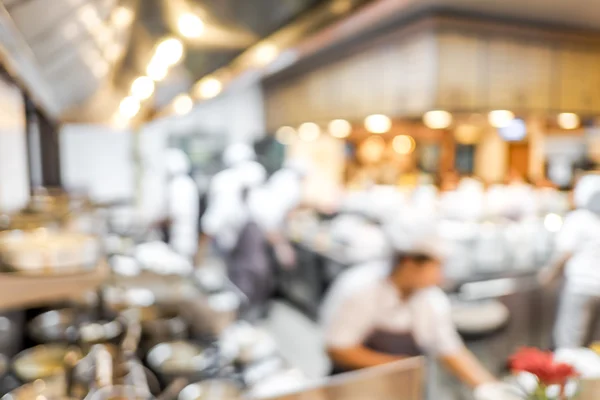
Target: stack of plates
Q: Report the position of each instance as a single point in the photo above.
(41, 252)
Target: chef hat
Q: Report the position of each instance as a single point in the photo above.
(251, 174)
(414, 231)
(177, 162)
(471, 184)
(238, 153)
(298, 165)
(368, 242)
(587, 192)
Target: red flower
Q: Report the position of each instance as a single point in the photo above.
(542, 365)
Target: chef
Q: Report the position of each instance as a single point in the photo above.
(578, 247)
(224, 195)
(243, 243)
(183, 201)
(385, 310)
(272, 205)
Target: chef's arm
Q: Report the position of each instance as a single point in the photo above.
(556, 268)
(358, 357)
(467, 368)
(284, 252)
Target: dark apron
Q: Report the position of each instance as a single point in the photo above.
(248, 267)
(398, 344)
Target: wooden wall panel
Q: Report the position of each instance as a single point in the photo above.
(579, 81)
(458, 67)
(461, 72)
(519, 75)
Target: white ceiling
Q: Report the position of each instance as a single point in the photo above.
(75, 43)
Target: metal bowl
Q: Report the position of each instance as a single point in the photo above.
(50, 389)
(247, 344)
(52, 326)
(182, 359)
(40, 362)
(212, 389)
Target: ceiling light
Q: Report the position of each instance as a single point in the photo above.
(378, 123)
(309, 132)
(156, 71)
(285, 135)
(568, 120)
(340, 128)
(372, 149)
(129, 107)
(183, 104)
(403, 144)
(208, 87)
(266, 53)
(500, 118)
(190, 25)
(169, 51)
(89, 16)
(119, 121)
(437, 119)
(122, 17)
(142, 88)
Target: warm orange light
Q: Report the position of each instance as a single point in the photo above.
(437, 119)
(403, 144)
(340, 128)
(568, 120)
(309, 132)
(378, 123)
(183, 104)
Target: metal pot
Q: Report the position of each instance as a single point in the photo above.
(40, 362)
(53, 326)
(168, 326)
(51, 389)
(213, 389)
(182, 359)
(247, 344)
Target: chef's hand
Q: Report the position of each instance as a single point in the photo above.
(497, 391)
(285, 255)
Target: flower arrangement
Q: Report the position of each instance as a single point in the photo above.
(548, 372)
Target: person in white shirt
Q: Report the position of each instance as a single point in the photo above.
(382, 311)
(183, 198)
(273, 203)
(578, 248)
(223, 211)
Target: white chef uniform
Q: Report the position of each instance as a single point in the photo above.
(272, 203)
(363, 301)
(183, 199)
(466, 203)
(228, 212)
(363, 304)
(580, 235)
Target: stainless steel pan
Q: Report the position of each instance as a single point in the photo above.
(213, 389)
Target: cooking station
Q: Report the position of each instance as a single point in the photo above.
(142, 323)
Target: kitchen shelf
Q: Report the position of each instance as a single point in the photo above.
(18, 291)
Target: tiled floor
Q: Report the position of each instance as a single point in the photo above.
(299, 339)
